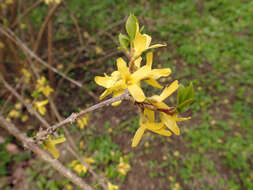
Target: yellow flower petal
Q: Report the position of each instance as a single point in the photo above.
(137, 93)
(149, 57)
(112, 187)
(153, 83)
(183, 119)
(140, 74)
(149, 114)
(105, 93)
(115, 94)
(157, 73)
(157, 46)
(168, 90)
(50, 145)
(137, 62)
(138, 135)
(102, 81)
(163, 132)
(170, 122)
(122, 68)
(139, 44)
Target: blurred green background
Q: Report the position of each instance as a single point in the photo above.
(208, 42)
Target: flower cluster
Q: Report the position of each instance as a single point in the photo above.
(42, 87)
(129, 77)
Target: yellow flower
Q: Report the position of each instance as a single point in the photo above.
(112, 84)
(147, 122)
(78, 167)
(14, 113)
(132, 81)
(27, 75)
(123, 167)
(112, 187)
(82, 122)
(168, 120)
(171, 121)
(18, 106)
(41, 82)
(43, 87)
(50, 143)
(142, 42)
(52, 1)
(123, 79)
(40, 106)
(24, 118)
(46, 90)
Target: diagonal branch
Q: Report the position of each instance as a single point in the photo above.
(74, 116)
(16, 40)
(27, 143)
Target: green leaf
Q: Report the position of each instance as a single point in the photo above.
(184, 105)
(124, 41)
(180, 93)
(35, 94)
(189, 92)
(131, 26)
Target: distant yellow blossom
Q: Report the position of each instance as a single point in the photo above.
(14, 113)
(40, 106)
(27, 75)
(82, 122)
(78, 167)
(24, 118)
(1, 45)
(43, 87)
(123, 167)
(18, 106)
(52, 1)
(112, 187)
(50, 145)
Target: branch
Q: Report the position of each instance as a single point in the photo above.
(16, 40)
(27, 143)
(74, 116)
(27, 105)
(73, 150)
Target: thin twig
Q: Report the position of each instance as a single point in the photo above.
(74, 116)
(43, 27)
(27, 105)
(73, 150)
(27, 143)
(15, 39)
(10, 96)
(27, 11)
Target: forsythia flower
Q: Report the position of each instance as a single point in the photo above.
(27, 75)
(14, 113)
(43, 87)
(78, 167)
(52, 1)
(40, 106)
(169, 120)
(112, 187)
(142, 42)
(123, 79)
(147, 122)
(82, 122)
(50, 145)
(123, 167)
